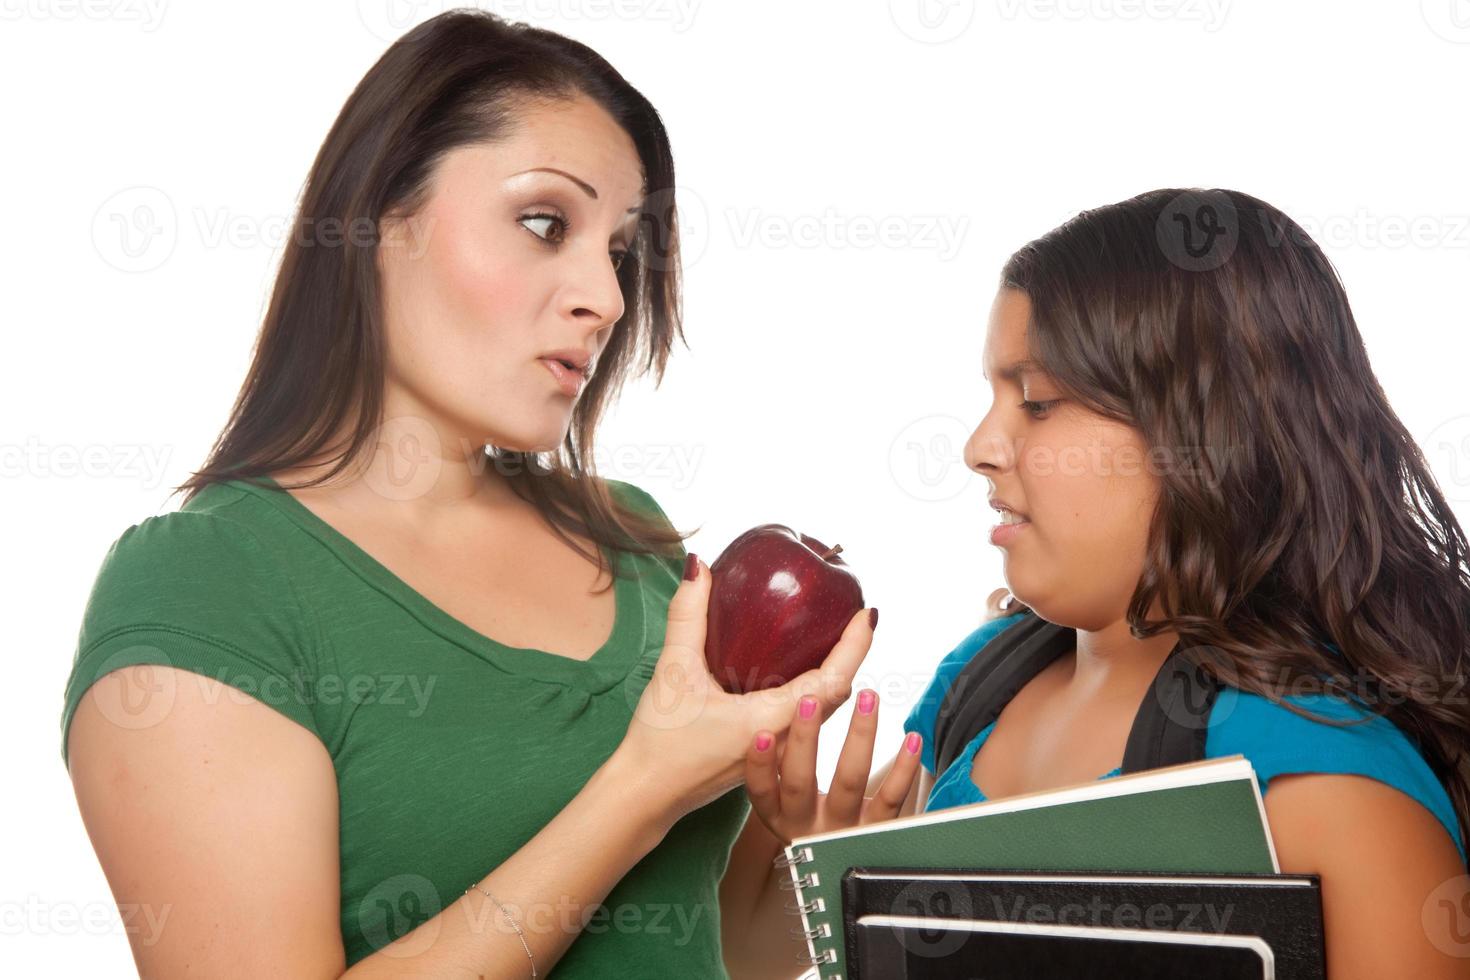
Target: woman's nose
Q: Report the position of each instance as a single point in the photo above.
(594, 296)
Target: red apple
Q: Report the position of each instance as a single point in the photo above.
(778, 604)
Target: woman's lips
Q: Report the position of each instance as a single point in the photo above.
(570, 381)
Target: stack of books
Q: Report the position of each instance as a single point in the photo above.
(1164, 873)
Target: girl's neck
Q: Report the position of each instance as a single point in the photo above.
(1112, 660)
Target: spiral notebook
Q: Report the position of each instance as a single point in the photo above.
(1205, 817)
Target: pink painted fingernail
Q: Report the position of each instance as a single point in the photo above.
(808, 706)
(762, 742)
(912, 742)
(865, 701)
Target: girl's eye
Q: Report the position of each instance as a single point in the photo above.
(546, 221)
(617, 258)
(1035, 409)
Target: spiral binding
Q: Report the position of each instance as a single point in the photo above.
(807, 908)
(782, 861)
(801, 882)
(804, 881)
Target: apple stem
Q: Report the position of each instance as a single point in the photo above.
(836, 549)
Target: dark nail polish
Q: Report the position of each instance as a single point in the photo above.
(873, 618)
(691, 567)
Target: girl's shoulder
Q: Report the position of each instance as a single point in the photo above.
(925, 713)
(1344, 737)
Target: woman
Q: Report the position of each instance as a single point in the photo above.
(292, 737)
(1191, 448)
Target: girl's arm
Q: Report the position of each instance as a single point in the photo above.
(1395, 897)
(217, 827)
(755, 927)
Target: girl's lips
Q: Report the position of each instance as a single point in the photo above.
(1003, 534)
(570, 381)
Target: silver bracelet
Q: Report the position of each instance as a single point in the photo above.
(512, 924)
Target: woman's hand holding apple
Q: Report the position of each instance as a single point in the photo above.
(686, 743)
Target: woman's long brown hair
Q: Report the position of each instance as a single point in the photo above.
(1306, 516)
(454, 80)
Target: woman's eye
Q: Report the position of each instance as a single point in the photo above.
(1035, 409)
(545, 222)
(617, 258)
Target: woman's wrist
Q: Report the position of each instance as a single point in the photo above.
(635, 788)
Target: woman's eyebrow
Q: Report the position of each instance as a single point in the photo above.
(587, 188)
(1013, 371)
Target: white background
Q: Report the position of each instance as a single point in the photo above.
(832, 378)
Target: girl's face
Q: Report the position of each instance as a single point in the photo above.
(513, 256)
(1082, 481)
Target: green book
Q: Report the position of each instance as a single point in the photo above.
(1205, 817)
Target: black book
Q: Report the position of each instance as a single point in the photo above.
(1084, 914)
(901, 947)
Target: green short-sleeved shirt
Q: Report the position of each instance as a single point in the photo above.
(451, 750)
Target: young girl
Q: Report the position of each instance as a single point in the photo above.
(358, 706)
(1188, 446)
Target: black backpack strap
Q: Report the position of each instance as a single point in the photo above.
(1169, 729)
(1173, 718)
(985, 685)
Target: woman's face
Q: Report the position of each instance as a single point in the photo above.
(507, 261)
(1082, 481)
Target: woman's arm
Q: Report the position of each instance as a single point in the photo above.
(218, 825)
(1394, 893)
(755, 927)
(221, 815)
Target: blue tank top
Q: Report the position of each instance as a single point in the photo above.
(1276, 740)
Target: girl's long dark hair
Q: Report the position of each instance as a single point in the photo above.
(456, 79)
(1212, 323)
